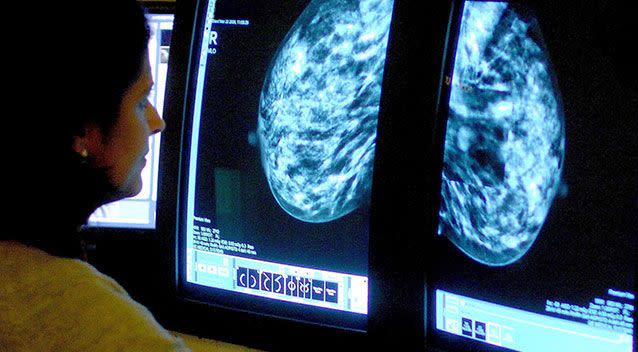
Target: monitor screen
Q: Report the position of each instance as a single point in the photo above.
(536, 244)
(277, 157)
(138, 212)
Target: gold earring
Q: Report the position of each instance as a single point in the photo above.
(84, 153)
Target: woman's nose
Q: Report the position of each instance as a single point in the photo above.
(155, 122)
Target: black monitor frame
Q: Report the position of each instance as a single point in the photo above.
(399, 199)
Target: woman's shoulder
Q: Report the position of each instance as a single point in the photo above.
(22, 259)
(50, 300)
(36, 272)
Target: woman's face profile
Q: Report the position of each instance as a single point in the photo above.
(122, 152)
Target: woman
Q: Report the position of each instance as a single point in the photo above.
(90, 85)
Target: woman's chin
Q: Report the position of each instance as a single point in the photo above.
(131, 189)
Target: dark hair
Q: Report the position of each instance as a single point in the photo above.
(106, 64)
(76, 72)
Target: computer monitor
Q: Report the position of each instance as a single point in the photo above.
(139, 212)
(272, 175)
(536, 242)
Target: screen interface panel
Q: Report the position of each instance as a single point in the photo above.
(282, 145)
(536, 224)
(139, 211)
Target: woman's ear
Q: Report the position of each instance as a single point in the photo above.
(89, 143)
(79, 146)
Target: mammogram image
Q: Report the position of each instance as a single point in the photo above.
(505, 137)
(319, 108)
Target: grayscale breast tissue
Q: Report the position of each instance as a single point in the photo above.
(319, 108)
(505, 137)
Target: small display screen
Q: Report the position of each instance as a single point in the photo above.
(139, 211)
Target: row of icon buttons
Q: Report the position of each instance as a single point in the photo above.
(213, 269)
(478, 330)
(489, 332)
(486, 332)
(294, 286)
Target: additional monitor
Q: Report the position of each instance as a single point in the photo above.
(536, 247)
(138, 212)
(280, 125)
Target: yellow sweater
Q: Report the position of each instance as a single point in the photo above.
(49, 303)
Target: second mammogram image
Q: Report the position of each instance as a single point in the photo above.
(505, 137)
